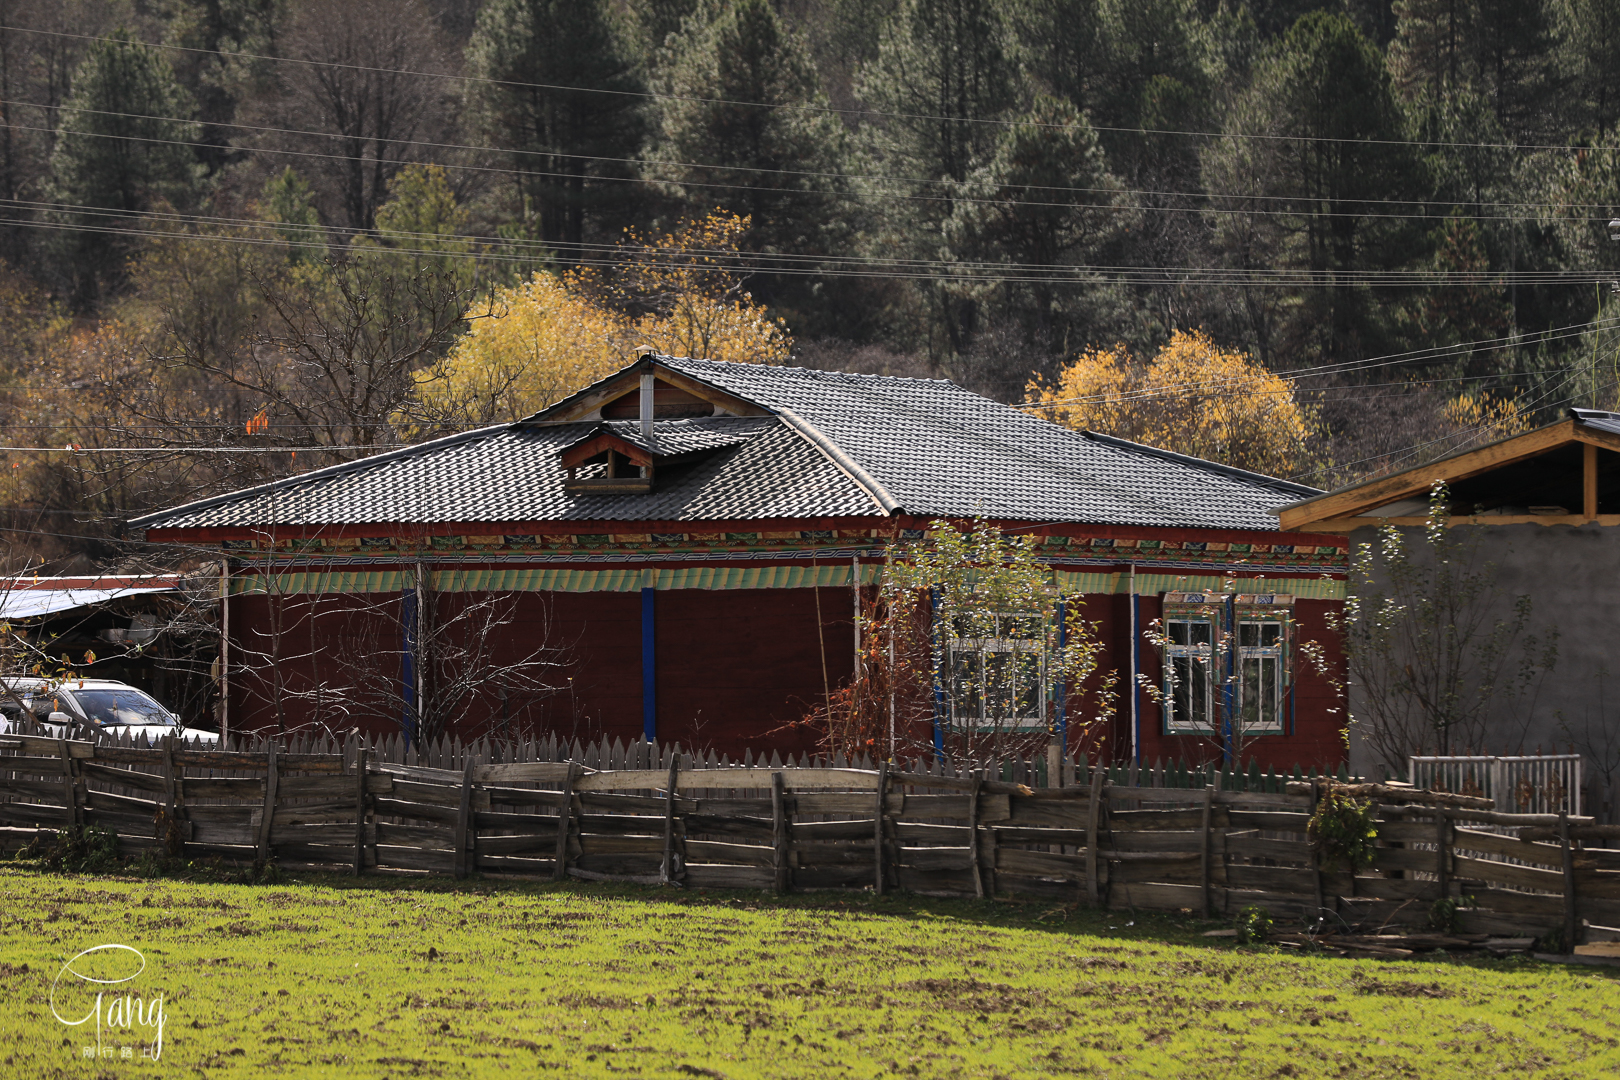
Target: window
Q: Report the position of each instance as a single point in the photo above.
(996, 677)
(1189, 674)
(1262, 686)
(1226, 662)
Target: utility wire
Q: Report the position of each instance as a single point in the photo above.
(1444, 205)
(860, 113)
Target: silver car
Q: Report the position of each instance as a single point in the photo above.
(81, 708)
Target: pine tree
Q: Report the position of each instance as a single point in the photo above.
(559, 91)
(942, 68)
(289, 204)
(1502, 48)
(124, 145)
(1044, 198)
(1590, 34)
(1309, 178)
(774, 161)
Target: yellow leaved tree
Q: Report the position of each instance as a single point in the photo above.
(1192, 397)
(538, 341)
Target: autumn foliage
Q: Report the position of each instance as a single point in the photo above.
(537, 341)
(1192, 397)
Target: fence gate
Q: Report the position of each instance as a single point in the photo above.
(1544, 784)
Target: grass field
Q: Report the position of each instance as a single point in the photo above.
(319, 976)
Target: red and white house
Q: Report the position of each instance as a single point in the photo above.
(692, 534)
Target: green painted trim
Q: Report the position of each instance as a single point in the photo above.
(830, 575)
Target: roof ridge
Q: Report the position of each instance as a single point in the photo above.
(818, 372)
(1203, 464)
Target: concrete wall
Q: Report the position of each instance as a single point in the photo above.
(1572, 576)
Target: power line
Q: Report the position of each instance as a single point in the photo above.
(942, 182)
(952, 198)
(965, 272)
(1343, 367)
(861, 113)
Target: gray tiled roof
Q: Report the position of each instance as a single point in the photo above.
(939, 449)
(927, 446)
(512, 473)
(673, 437)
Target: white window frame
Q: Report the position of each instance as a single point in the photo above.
(980, 649)
(1275, 654)
(1175, 687)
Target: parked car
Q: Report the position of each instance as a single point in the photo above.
(81, 708)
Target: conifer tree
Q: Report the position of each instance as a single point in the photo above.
(737, 128)
(558, 89)
(124, 144)
(1308, 178)
(942, 68)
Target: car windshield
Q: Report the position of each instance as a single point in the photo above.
(125, 705)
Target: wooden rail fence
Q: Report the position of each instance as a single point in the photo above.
(1093, 836)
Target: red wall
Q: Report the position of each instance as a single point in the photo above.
(735, 669)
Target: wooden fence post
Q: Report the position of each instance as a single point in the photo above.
(173, 837)
(668, 872)
(1571, 922)
(972, 834)
(360, 755)
(1442, 851)
(269, 814)
(877, 826)
(565, 815)
(779, 835)
(1093, 892)
(1203, 855)
(463, 814)
(1316, 860)
(70, 784)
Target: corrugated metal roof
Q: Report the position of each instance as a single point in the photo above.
(923, 446)
(27, 603)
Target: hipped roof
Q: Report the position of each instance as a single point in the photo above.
(789, 443)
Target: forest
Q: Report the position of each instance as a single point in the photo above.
(246, 238)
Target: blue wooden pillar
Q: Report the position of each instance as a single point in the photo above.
(1062, 687)
(649, 669)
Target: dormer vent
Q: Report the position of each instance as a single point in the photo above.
(606, 464)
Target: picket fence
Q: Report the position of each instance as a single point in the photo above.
(1169, 838)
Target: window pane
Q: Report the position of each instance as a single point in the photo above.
(999, 674)
(1248, 634)
(966, 703)
(1270, 634)
(1201, 633)
(1178, 633)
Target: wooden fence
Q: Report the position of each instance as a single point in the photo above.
(1169, 840)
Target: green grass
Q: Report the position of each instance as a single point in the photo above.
(327, 976)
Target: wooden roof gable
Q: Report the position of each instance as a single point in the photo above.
(1566, 473)
(674, 395)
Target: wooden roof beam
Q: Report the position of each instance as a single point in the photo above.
(1355, 502)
